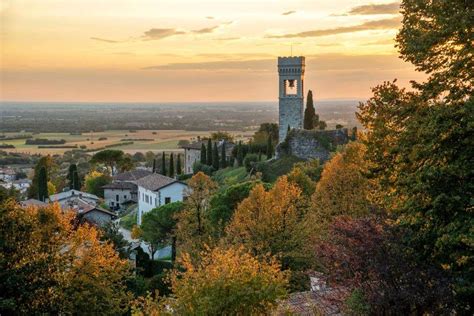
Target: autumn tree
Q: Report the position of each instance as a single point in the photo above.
(309, 112)
(49, 266)
(343, 188)
(193, 222)
(274, 222)
(227, 282)
(94, 181)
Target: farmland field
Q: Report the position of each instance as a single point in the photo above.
(143, 140)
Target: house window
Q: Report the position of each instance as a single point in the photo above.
(125, 197)
(117, 197)
(167, 200)
(111, 203)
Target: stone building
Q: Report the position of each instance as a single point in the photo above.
(192, 153)
(291, 94)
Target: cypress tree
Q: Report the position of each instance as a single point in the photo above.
(163, 164)
(215, 157)
(171, 168)
(178, 165)
(260, 156)
(73, 178)
(209, 152)
(76, 181)
(309, 112)
(223, 158)
(240, 155)
(289, 129)
(203, 154)
(43, 185)
(154, 165)
(269, 147)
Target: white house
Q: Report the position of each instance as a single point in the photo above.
(66, 197)
(156, 190)
(123, 189)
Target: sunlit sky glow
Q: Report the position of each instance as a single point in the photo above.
(190, 50)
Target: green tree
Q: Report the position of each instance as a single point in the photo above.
(163, 164)
(111, 233)
(154, 166)
(46, 162)
(223, 162)
(94, 182)
(73, 177)
(218, 136)
(158, 227)
(309, 112)
(209, 152)
(203, 154)
(215, 157)
(270, 149)
(171, 168)
(110, 158)
(179, 169)
(322, 125)
(43, 184)
(240, 155)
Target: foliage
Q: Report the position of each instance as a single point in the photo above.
(209, 152)
(111, 234)
(203, 154)
(230, 176)
(249, 161)
(267, 130)
(112, 159)
(343, 188)
(224, 202)
(273, 222)
(273, 169)
(366, 254)
(179, 169)
(199, 167)
(163, 164)
(309, 113)
(215, 157)
(270, 149)
(43, 185)
(48, 163)
(51, 267)
(240, 154)
(217, 136)
(223, 161)
(94, 182)
(73, 177)
(437, 38)
(193, 229)
(158, 226)
(171, 167)
(322, 125)
(129, 220)
(227, 282)
(6, 194)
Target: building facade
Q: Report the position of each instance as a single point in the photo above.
(291, 94)
(192, 153)
(156, 190)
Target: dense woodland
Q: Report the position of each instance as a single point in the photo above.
(388, 218)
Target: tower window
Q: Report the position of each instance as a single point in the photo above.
(291, 87)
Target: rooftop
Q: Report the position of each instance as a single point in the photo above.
(72, 193)
(133, 175)
(120, 186)
(155, 181)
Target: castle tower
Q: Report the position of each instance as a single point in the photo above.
(291, 100)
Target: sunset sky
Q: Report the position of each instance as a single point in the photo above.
(193, 50)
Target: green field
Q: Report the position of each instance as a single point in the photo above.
(161, 140)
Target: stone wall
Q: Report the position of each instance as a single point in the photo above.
(313, 144)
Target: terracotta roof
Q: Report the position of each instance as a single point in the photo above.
(82, 208)
(133, 175)
(155, 182)
(71, 194)
(120, 186)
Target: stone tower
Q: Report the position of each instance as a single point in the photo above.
(291, 100)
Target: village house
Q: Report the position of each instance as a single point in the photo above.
(156, 190)
(192, 152)
(123, 190)
(7, 174)
(92, 214)
(66, 197)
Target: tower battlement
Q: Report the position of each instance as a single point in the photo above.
(291, 61)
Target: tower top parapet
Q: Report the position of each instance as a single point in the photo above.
(291, 61)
